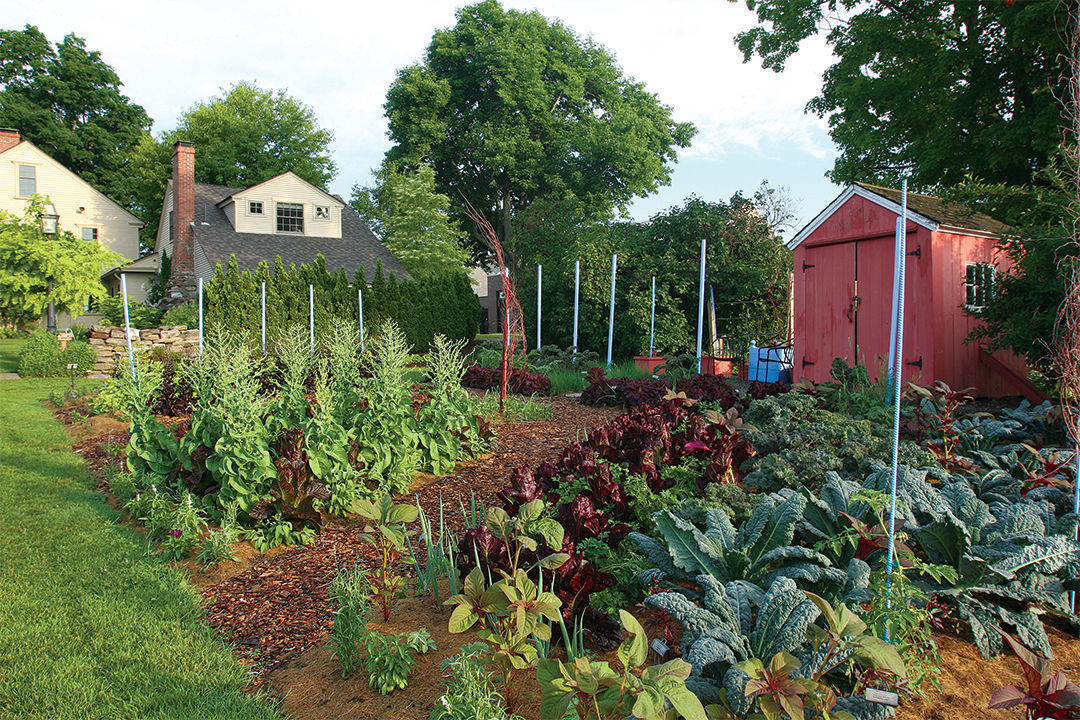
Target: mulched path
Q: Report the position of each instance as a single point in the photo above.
(277, 607)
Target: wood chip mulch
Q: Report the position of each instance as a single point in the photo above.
(277, 608)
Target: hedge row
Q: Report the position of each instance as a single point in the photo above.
(421, 307)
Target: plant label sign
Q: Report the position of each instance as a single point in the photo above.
(659, 647)
(882, 697)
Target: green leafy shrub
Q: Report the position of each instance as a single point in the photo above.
(80, 354)
(142, 317)
(39, 356)
(348, 592)
(390, 657)
(217, 546)
(186, 314)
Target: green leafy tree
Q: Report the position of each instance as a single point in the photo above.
(68, 101)
(411, 218)
(929, 90)
(243, 137)
(509, 106)
(1038, 246)
(36, 268)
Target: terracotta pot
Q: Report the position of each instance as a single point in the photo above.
(648, 364)
(716, 365)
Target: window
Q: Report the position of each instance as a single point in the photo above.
(322, 212)
(255, 207)
(290, 217)
(27, 180)
(89, 233)
(978, 285)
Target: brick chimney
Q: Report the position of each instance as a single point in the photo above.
(8, 139)
(182, 283)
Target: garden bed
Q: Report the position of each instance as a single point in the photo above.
(274, 607)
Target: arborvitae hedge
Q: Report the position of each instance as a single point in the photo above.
(421, 307)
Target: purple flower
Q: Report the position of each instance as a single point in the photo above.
(176, 532)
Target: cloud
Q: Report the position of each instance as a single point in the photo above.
(341, 57)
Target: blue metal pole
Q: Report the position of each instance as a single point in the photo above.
(701, 303)
(539, 295)
(127, 322)
(311, 317)
(577, 288)
(895, 291)
(901, 254)
(200, 318)
(264, 317)
(1076, 511)
(611, 310)
(652, 317)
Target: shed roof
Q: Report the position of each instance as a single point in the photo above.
(926, 210)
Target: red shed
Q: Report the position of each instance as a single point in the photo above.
(843, 270)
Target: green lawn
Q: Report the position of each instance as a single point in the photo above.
(90, 627)
(9, 354)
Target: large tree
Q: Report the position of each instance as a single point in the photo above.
(68, 101)
(930, 90)
(245, 136)
(36, 268)
(509, 107)
(410, 216)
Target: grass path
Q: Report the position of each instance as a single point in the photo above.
(90, 627)
(9, 354)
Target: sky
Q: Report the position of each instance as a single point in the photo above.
(340, 58)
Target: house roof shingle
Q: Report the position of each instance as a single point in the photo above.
(357, 245)
(947, 214)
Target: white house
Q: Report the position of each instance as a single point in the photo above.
(87, 213)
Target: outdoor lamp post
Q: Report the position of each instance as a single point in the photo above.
(49, 224)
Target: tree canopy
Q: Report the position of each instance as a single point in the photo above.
(509, 107)
(68, 101)
(30, 261)
(932, 90)
(241, 138)
(410, 216)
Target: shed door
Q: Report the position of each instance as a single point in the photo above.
(829, 317)
(874, 260)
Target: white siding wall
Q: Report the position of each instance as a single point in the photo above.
(117, 229)
(163, 242)
(284, 188)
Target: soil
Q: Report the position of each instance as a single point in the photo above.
(272, 606)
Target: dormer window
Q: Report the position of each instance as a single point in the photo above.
(322, 212)
(290, 217)
(27, 180)
(255, 207)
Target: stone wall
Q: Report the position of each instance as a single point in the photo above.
(111, 346)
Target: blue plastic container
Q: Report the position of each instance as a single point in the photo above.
(768, 364)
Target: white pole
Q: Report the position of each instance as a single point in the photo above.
(701, 303)
(652, 317)
(127, 322)
(611, 310)
(264, 317)
(539, 305)
(360, 303)
(200, 318)
(577, 288)
(901, 253)
(311, 316)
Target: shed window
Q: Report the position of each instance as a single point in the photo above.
(290, 217)
(978, 285)
(89, 233)
(255, 207)
(27, 180)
